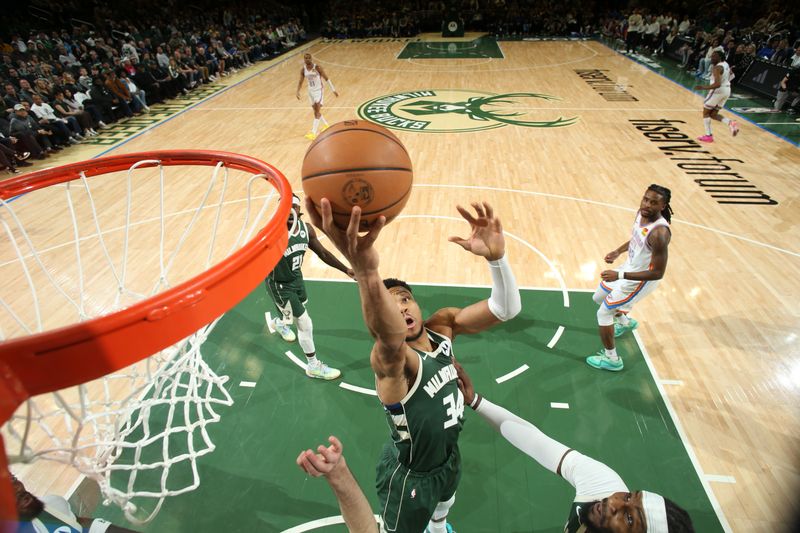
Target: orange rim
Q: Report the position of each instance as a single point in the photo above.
(67, 356)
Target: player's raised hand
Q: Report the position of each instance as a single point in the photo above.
(324, 461)
(487, 238)
(357, 249)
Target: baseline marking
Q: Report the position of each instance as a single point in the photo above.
(682, 434)
(512, 374)
(720, 479)
(671, 382)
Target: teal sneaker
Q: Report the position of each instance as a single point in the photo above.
(601, 361)
(322, 371)
(619, 329)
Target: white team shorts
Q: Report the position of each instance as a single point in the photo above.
(622, 294)
(716, 98)
(315, 97)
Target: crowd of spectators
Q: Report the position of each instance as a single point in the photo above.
(61, 85)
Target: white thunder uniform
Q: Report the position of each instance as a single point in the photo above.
(314, 81)
(623, 293)
(716, 98)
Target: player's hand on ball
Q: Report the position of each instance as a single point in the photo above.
(611, 257)
(487, 238)
(357, 249)
(609, 275)
(323, 462)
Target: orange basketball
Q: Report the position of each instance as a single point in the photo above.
(356, 162)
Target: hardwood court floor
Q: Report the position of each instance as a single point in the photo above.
(722, 327)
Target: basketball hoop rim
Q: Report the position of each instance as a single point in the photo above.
(70, 355)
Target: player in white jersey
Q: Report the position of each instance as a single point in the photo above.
(718, 93)
(620, 289)
(313, 74)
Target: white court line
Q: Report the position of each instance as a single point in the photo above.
(295, 360)
(526, 108)
(720, 479)
(546, 259)
(594, 53)
(555, 338)
(322, 522)
(671, 382)
(559, 405)
(247, 384)
(512, 374)
(467, 285)
(682, 434)
(770, 123)
(356, 388)
(606, 204)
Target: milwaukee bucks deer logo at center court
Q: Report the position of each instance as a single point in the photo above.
(455, 110)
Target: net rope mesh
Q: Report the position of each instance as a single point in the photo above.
(95, 245)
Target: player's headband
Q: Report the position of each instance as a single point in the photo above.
(655, 512)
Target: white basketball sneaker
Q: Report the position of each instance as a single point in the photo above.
(322, 371)
(283, 330)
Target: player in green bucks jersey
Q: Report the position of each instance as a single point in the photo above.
(287, 289)
(420, 467)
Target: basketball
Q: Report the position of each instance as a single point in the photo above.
(356, 162)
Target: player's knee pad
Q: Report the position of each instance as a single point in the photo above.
(605, 316)
(305, 333)
(442, 509)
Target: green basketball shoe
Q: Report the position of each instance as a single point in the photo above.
(619, 329)
(602, 362)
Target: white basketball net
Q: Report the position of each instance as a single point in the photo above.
(63, 258)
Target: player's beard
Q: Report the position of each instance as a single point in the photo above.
(591, 528)
(31, 510)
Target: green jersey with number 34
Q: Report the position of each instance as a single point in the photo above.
(425, 425)
(289, 267)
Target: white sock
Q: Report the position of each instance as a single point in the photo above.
(707, 124)
(612, 354)
(437, 527)
(315, 127)
(623, 319)
(312, 361)
(726, 120)
(322, 118)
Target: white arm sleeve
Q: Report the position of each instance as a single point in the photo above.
(330, 84)
(590, 477)
(504, 303)
(523, 435)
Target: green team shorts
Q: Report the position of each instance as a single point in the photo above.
(289, 297)
(407, 498)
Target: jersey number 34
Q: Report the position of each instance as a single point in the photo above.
(455, 408)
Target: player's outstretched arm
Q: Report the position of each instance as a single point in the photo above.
(327, 257)
(378, 307)
(486, 240)
(330, 463)
(325, 77)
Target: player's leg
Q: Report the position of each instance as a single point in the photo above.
(305, 336)
(732, 125)
(445, 482)
(316, 103)
(607, 358)
(280, 297)
(708, 108)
